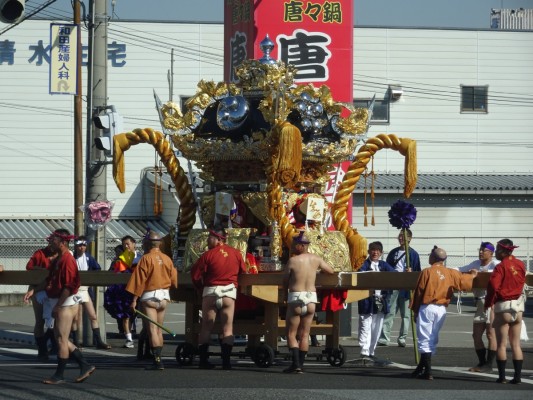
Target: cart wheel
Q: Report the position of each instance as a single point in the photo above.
(336, 357)
(263, 356)
(185, 354)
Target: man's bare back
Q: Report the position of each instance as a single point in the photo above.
(302, 270)
(299, 282)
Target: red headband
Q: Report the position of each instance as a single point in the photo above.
(507, 247)
(213, 233)
(63, 237)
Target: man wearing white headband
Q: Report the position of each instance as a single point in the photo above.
(482, 319)
(86, 262)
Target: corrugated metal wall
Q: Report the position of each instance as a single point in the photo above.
(511, 19)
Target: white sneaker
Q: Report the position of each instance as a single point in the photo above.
(129, 344)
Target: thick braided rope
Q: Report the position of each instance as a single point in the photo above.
(163, 147)
(347, 186)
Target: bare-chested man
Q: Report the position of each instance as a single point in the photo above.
(299, 280)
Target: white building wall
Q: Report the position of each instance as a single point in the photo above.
(431, 66)
(36, 150)
(456, 223)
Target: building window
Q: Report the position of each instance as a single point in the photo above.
(380, 112)
(474, 99)
(183, 100)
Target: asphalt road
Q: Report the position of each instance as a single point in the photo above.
(120, 376)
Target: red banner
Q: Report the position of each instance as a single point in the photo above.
(314, 36)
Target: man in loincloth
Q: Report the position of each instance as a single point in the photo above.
(150, 283)
(299, 284)
(215, 274)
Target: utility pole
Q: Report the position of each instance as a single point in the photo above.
(96, 171)
(78, 134)
(97, 94)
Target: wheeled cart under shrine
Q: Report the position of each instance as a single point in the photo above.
(269, 154)
(264, 330)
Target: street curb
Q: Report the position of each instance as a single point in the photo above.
(17, 336)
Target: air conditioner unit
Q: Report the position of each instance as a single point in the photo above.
(395, 92)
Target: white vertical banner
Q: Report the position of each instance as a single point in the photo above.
(63, 58)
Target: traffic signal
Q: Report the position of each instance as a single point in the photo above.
(11, 11)
(110, 123)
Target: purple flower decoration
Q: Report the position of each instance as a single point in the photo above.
(402, 214)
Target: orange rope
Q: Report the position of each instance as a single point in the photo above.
(158, 190)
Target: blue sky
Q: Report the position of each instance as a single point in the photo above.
(393, 13)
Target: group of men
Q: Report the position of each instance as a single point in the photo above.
(499, 307)
(215, 275)
(57, 299)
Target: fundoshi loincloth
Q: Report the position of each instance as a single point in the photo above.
(156, 295)
(83, 292)
(302, 299)
(220, 292)
(50, 303)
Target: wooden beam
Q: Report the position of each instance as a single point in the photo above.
(268, 293)
(358, 281)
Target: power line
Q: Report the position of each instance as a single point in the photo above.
(418, 90)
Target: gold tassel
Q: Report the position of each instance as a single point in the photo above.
(410, 169)
(120, 144)
(358, 250)
(158, 189)
(289, 160)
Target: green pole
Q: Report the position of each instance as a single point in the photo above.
(408, 268)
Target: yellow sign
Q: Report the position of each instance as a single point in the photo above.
(63, 58)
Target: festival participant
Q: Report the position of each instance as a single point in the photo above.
(149, 283)
(433, 292)
(399, 299)
(41, 259)
(505, 294)
(299, 287)
(62, 286)
(302, 223)
(117, 300)
(86, 262)
(482, 319)
(215, 274)
(373, 309)
(119, 249)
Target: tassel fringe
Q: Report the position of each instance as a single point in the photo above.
(410, 170)
(289, 160)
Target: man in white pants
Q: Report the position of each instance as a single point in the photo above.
(433, 292)
(372, 310)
